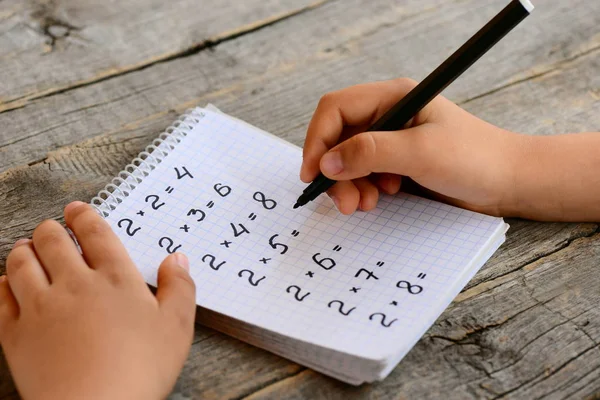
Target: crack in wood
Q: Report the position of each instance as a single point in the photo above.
(200, 340)
(551, 69)
(478, 330)
(207, 44)
(270, 384)
(521, 356)
(465, 295)
(545, 373)
(570, 383)
(25, 137)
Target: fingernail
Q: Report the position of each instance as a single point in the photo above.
(73, 205)
(335, 201)
(21, 242)
(2, 278)
(182, 261)
(331, 163)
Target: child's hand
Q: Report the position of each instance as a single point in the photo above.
(75, 327)
(458, 157)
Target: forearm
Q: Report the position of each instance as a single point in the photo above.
(557, 178)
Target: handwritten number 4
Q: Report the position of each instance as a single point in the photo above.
(237, 233)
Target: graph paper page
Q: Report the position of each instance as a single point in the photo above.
(362, 284)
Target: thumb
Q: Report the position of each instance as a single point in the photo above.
(395, 152)
(176, 292)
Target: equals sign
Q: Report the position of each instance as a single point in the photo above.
(295, 233)
(252, 217)
(421, 276)
(169, 189)
(210, 204)
(337, 248)
(380, 263)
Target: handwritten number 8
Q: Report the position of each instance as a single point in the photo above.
(412, 289)
(269, 204)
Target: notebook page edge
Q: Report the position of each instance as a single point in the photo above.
(489, 248)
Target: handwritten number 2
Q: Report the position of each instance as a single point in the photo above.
(250, 278)
(341, 307)
(129, 224)
(297, 292)
(169, 244)
(155, 203)
(212, 260)
(382, 319)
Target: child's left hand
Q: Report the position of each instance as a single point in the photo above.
(75, 326)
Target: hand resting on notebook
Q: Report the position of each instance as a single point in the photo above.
(457, 157)
(74, 327)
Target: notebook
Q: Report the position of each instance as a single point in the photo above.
(348, 296)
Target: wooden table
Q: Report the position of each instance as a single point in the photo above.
(84, 86)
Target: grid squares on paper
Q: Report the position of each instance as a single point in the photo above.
(410, 235)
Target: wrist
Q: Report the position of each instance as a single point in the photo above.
(520, 157)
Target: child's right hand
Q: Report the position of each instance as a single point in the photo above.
(461, 159)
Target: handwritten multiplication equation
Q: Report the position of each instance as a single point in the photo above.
(279, 243)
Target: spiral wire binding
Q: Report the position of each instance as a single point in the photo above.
(133, 174)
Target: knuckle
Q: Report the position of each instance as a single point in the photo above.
(371, 191)
(327, 99)
(40, 303)
(184, 318)
(86, 220)
(365, 146)
(17, 260)
(407, 82)
(91, 226)
(184, 279)
(78, 211)
(75, 285)
(47, 233)
(115, 276)
(424, 149)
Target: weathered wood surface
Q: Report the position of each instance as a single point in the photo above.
(77, 109)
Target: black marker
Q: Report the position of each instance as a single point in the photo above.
(437, 81)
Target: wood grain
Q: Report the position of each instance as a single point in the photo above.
(71, 43)
(526, 326)
(329, 47)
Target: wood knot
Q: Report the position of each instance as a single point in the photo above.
(51, 26)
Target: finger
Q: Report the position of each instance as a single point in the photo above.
(399, 152)
(27, 276)
(101, 247)
(56, 251)
(176, 292)
(9, 308)
(353, 106)
(369, 194)
(345, 195)
(388, 183)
